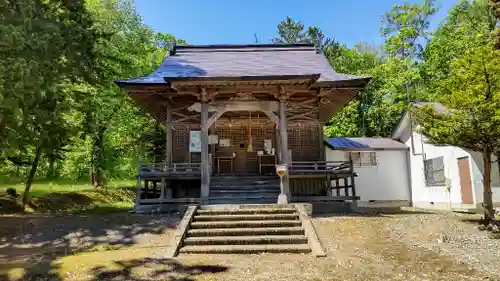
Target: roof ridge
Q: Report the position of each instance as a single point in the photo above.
(246, 50)
(240, 46)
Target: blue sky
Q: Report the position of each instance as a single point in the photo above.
(236, 21)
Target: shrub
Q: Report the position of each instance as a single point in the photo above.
(12, 192)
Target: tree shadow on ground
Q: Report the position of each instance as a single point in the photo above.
(57, 202)
(36, 242)
(9, 205)
(153, 269)
(493, 227)
(102, 200)
(374, 212)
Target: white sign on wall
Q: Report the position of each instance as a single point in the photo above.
(195, 141)
(213, 139)
(225, 142)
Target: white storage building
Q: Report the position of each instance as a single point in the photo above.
(382, 166)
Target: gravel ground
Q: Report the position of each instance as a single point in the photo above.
(449, 234)
(402, 247)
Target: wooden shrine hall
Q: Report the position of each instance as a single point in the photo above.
(233, 112)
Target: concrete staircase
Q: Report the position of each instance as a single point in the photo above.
(244, 229)
(244, 190)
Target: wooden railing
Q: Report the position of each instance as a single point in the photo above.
(176, 168)
(320, 167)
(322, 181)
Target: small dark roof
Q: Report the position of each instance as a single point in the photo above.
(205, 61)
(438, 107)
(364, 144)
(404, 121)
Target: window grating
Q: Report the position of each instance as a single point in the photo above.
(434, 171)
(363, 159)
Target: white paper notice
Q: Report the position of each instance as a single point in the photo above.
(195, 141)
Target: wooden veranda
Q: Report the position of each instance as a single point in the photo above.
(242, 109)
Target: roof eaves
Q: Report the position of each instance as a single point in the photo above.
(241, 46)
(356, 81)
(312, 77)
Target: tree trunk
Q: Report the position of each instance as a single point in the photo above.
(31, 176)
(3, 127)
(489, 213)
(51, 172)
(97, 159)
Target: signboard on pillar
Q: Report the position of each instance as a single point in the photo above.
(195, 141)
(281, 170)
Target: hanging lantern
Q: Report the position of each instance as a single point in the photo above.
(249, 147)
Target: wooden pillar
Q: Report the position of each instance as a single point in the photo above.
(277, 148)
(139, 180)
(163, 187)
(168, 136)
(283, 133)
(321, 135)
(166, 191)
(205, 181)
(285, 186)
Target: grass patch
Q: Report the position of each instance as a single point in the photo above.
(69, 197)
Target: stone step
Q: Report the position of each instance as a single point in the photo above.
(239, 200)
(217, 178)
(245, 197)
(245, 231)
(246, 211)
(246, 217)
(262, 180)
(254, 191)
(242, 224)
(245, 249)
(244, 182)
(246, 240)
(230, 185)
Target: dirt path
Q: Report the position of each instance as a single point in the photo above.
(396, 247)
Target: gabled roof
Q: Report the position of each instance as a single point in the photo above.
(215, 61)
(364, 144)
(404, 122)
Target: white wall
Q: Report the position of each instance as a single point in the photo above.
(423, 195)
(386, 181)
(477, 168)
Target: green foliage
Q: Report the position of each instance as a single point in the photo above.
(404, 25)
(473, 100)
(60, 110)
(377, 109)
(292, 32)
(494, 6)
(462, 71)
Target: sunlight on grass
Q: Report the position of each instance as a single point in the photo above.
(64, 196)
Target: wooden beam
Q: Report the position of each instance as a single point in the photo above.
(303, 104)
(180, 108)
(303, 115)
(185, 118)
(180, 114)
(273, 117)
(238, 106)
(216, 115)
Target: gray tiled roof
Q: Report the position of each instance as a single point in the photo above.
(367, 144)
(243, 60)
